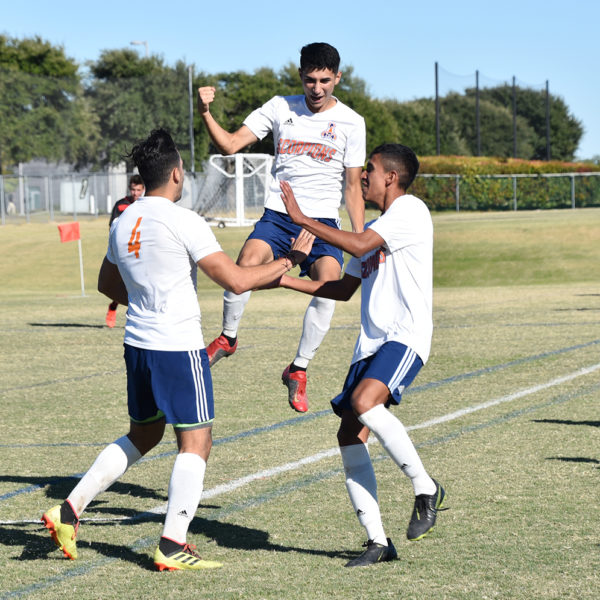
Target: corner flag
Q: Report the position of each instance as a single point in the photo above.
(69, 232)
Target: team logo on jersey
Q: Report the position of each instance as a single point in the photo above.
(320, 152)
(329, 133)
(372, 262)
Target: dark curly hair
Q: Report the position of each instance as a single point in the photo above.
(155, 157)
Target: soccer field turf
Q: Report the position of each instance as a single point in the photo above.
(505, 416)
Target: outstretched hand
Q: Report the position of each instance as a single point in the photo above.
(301, 246)
(289, 200)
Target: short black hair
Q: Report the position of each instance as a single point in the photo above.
(399, 158)
(155, 157)
(136, 180)
(317, 56)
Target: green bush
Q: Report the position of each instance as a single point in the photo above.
(477, 190)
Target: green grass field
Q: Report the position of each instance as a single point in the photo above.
(505, 414)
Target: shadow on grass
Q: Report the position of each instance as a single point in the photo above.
(238, 537)
(75, 325)
(58, 488)
(37, 545)
(568, 422)
(575, 459)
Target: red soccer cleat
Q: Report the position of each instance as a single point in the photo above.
(111, 316)
(219, 348)
(296, 384)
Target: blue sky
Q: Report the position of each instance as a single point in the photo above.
(391, 44)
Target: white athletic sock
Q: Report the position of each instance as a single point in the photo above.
(314, 328)
(185, 490)
(392, 435)
(362, 489)
(110, 464)
(233, 309)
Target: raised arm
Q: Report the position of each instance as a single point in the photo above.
(353, 197)
(356, 244)
(227, 143)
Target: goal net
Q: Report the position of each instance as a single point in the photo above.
(232, 189)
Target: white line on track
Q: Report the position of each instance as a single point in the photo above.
(292, 466)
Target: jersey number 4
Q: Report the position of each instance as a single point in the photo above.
(134, 241)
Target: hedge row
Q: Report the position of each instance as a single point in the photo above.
(477, 191)
(483, 165)
(507, 193)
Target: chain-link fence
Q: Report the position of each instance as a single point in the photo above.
(508, 192)
(231, 191)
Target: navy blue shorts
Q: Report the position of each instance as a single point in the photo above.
(176, 386)
(394, 364)
(277, 229)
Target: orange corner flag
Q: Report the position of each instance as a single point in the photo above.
(69, 232)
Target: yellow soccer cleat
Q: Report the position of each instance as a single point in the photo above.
(63, 534)
(186, 558)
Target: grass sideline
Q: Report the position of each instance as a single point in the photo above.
(517, 309)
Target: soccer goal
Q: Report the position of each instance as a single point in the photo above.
(232, 189)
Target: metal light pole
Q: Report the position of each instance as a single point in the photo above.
(477, 115)
(141, 43)
(547, 120)
(437, 111)
(191, 119)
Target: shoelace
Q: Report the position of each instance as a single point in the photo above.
(422, 506)
(191, 549)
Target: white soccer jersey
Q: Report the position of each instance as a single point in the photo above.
(156, 245)
(397, 281)
(312, 151)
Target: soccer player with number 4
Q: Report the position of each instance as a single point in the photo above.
(319, 149)
(154, 250)
(393, 265)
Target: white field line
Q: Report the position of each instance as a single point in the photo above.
(509, 398)
(292, 466)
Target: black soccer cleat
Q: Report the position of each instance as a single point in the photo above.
(425, 512)
(375, 553)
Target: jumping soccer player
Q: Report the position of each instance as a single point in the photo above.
(151, 265)
(392, 262)
(136, 190)
(318, 142)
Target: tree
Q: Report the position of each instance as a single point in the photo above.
(496, 127)
(416, 124)
(132, 96)
(565, 129)
(43, 112)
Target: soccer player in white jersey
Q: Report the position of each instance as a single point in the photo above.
(319, 149)
(154, 250)
(392, 262)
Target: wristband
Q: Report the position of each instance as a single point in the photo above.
(291, 258)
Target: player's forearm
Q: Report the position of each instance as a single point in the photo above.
(221, 138)
(259, 276)
(334, 290)
(345, 240)
(355, 207)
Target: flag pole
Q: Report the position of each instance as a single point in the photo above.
(81, 267)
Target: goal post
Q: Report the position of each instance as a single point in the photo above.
(232, 189)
